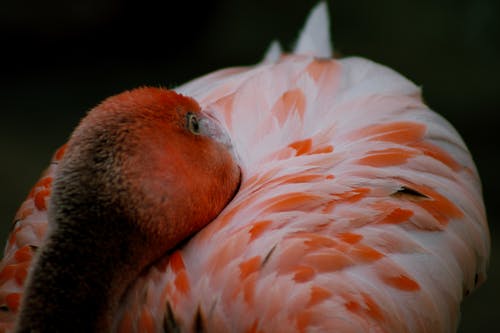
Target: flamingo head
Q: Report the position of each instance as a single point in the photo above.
(143, 171)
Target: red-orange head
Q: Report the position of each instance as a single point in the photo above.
(151, 152)
(143, 171)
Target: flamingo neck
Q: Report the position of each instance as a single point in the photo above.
(80, 278)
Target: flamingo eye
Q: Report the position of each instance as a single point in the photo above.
(192, 123)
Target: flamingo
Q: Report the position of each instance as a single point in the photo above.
(358, 209)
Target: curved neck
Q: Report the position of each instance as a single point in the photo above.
(80, 278)
(135, 181)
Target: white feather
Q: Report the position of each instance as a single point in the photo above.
(314, 38)
(273, 53)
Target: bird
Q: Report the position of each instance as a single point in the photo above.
(348, 205)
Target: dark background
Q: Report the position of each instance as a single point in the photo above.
(59, 58)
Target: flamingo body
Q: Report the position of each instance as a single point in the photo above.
(360, 210)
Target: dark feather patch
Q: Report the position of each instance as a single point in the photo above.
(268, 255)
(199, 322)
(409, 192)
(169, 323)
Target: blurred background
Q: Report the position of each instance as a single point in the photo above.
(60, 58)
